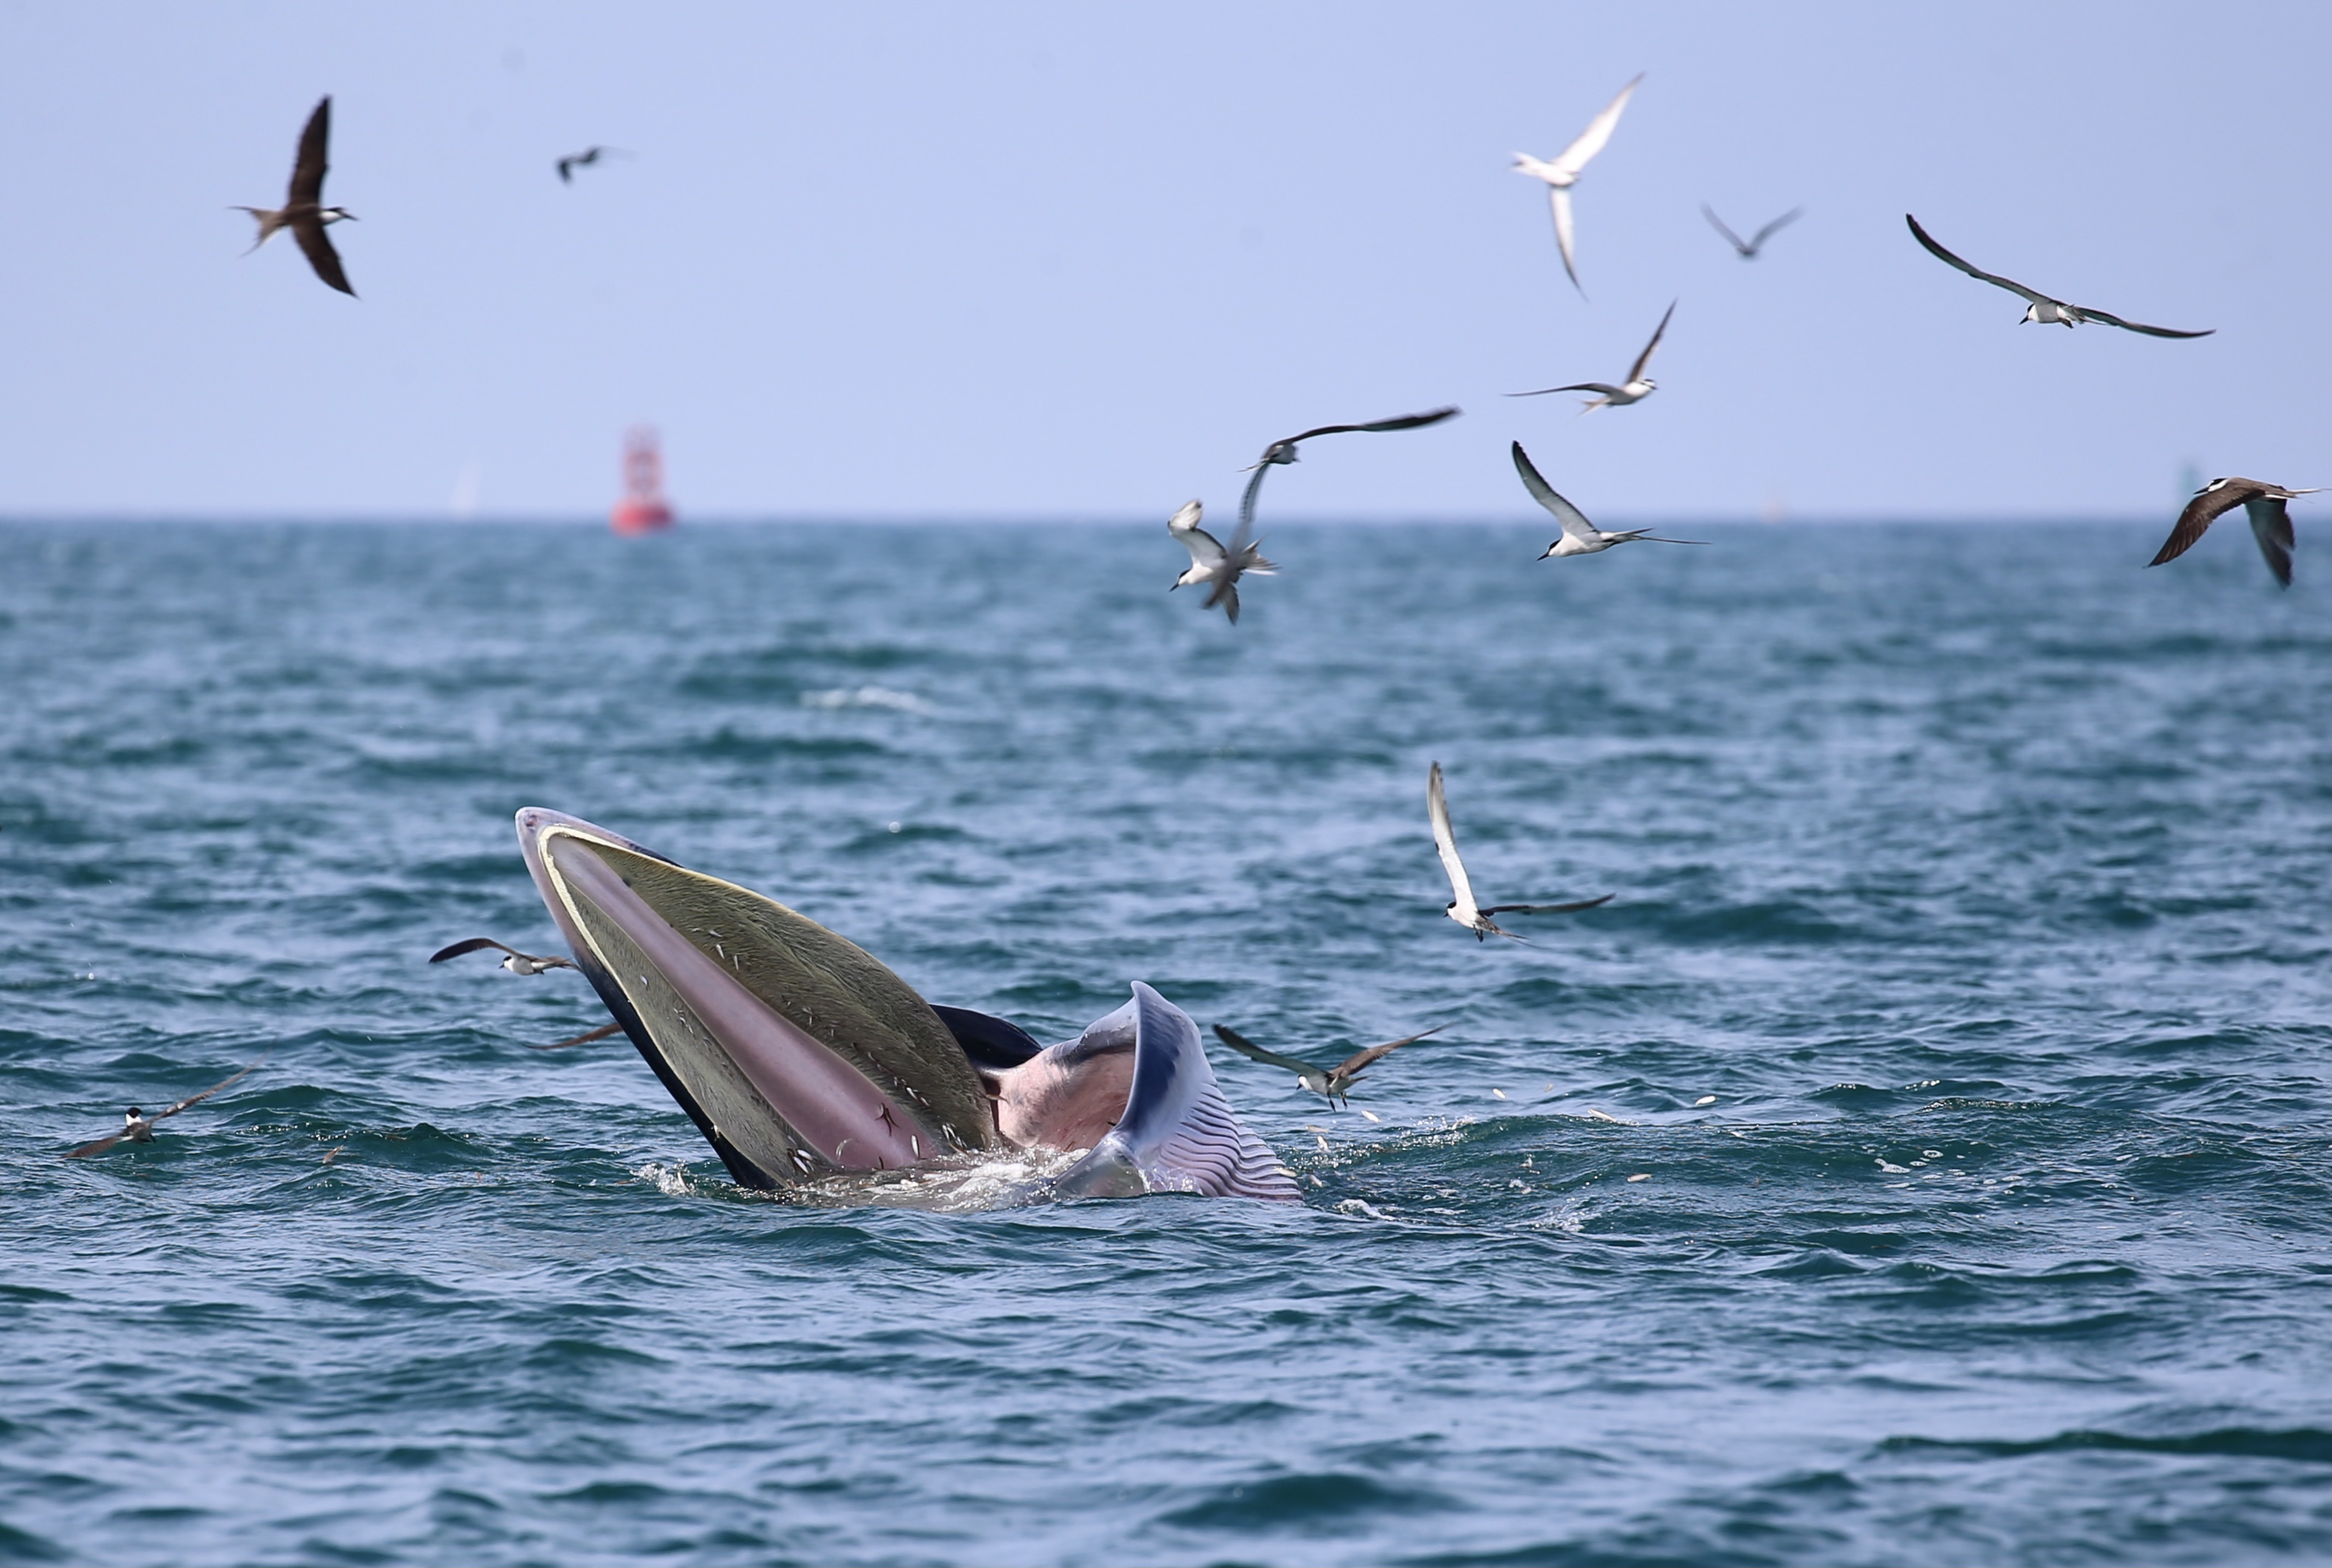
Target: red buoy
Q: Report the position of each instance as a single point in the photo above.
(644, 508)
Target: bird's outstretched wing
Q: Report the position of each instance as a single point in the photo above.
(1405, 422)
(2214, 499)
(585, 1038)
(317, 247)
(1575, 156)
(1559, 199)
(1604, 388)
(2110, 320)
(1776, 226)
(1245, 530)
(2271, 526)
(1574, 522)
(308, 165)
(1996, 281)
(475, 944)
(215, 1088)
(1737, 243)
(1445, 842)
(99, 1147)
(1246, 1047)
(1224, 594)
(1205, 548)
(1554, 908)
(565, 166)
(1636, 371)
(1352, 1064)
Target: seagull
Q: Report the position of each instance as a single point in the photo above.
(1211, 562)
(590, 155)
(302, 211)
(517, 962)
(139, 1127)
(1637, 387)
(2041, 307)
(1750, 248)
(1333, 1083)
(1580, 536)
(1462, 908)
(1563, 171)
(1281, 453)
(585, 1038)
(2270, 520)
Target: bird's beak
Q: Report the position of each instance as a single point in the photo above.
(793, 1049)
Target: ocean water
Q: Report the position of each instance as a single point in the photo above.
(1921, 1160)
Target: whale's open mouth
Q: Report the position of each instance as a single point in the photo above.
(800, 1055)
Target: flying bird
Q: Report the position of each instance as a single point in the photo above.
(2039, 307)
(139, 1128)
(303, 211)
(517, 962)
(1333, 1083)
(1281, 453)
(1635, 389)
(1749, 247)
(1211, 563)
(2262, 502)
(590, 155)
(1580, 536)
(1563, 172)
(1462, 907)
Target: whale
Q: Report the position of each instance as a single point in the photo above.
(802, 1058)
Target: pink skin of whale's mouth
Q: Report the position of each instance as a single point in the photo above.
(1062, 1097)
(830, 1105)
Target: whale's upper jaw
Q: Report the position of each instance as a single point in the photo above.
(795, 1051)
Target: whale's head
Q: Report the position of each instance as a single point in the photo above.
(795, 1051)
(799, 1054)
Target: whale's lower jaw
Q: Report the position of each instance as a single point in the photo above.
(794, 1052)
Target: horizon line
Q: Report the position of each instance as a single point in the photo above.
(728, 519)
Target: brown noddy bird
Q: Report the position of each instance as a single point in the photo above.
(303, 211)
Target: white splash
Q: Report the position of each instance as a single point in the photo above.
(671, 1180)
(962, 1184)
(867, 697)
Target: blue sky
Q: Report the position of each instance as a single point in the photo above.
(1085, 261)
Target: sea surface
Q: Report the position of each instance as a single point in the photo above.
(1921, 1160)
